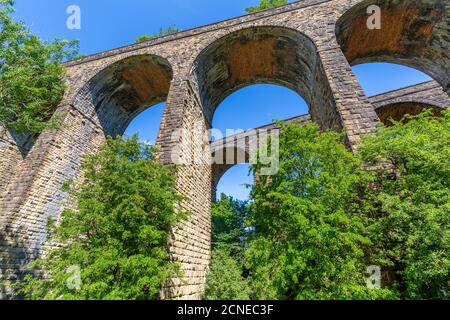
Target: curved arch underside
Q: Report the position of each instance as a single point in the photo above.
(126, 88)
(399, 110)
(223, 159)
(270, 55)
(413, 33)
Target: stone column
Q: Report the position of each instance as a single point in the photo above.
(357, 114)
(182, 141)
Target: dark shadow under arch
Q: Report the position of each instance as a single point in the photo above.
(413, 33)
(121, 91)
(397, 111)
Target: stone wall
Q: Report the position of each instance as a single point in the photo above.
(428, 93)
(294, 45)
(411, 100)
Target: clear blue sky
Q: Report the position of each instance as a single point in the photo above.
(107, 24)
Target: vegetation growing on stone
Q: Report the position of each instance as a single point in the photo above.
(266, 4)
(162, 32)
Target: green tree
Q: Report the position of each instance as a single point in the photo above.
(310, 221)
(118, 234)
(30, 75)
(266, 4)
(226, 279)
(162, 32)
(410, 227)
(229, 225)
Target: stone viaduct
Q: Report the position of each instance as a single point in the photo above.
(308, 46)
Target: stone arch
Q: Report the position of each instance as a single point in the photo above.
(413, 33)
(223, 159)
(218, 173)
(103, 106)
(397, 110)
(264, 55)
(122, 90)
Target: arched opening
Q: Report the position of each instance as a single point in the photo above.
(147, 124)
(413, 33)
(235, 182)
(381, 77)
(397, 111)
(123, 90)
(396, 90)
(264, 55)
(229, 160)
(238, 122)
(257, 106)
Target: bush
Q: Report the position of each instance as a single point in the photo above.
(118, 235)
(410, 226)
(225, 280)
(266, 4)
(311, 222)
(31, 75)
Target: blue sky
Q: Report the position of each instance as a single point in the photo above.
(107, 24)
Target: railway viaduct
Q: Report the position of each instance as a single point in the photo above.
(308, 46)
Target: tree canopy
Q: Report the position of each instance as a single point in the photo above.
(266, 4)
(310, 222)
(31, 74)
(329, 216)
(118, 234)
(410, 194)
(226, 280)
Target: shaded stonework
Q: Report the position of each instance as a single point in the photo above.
(308, 46)
(411, 100)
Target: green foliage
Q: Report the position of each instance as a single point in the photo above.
(118, 235)
(225, 279)
(411, 226)
(229, 233)
(266, 4)
(30, 75)
(229, 224)
(162, 32)
(310, 222)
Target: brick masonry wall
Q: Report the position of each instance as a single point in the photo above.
(10, 156)
(31, 183)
